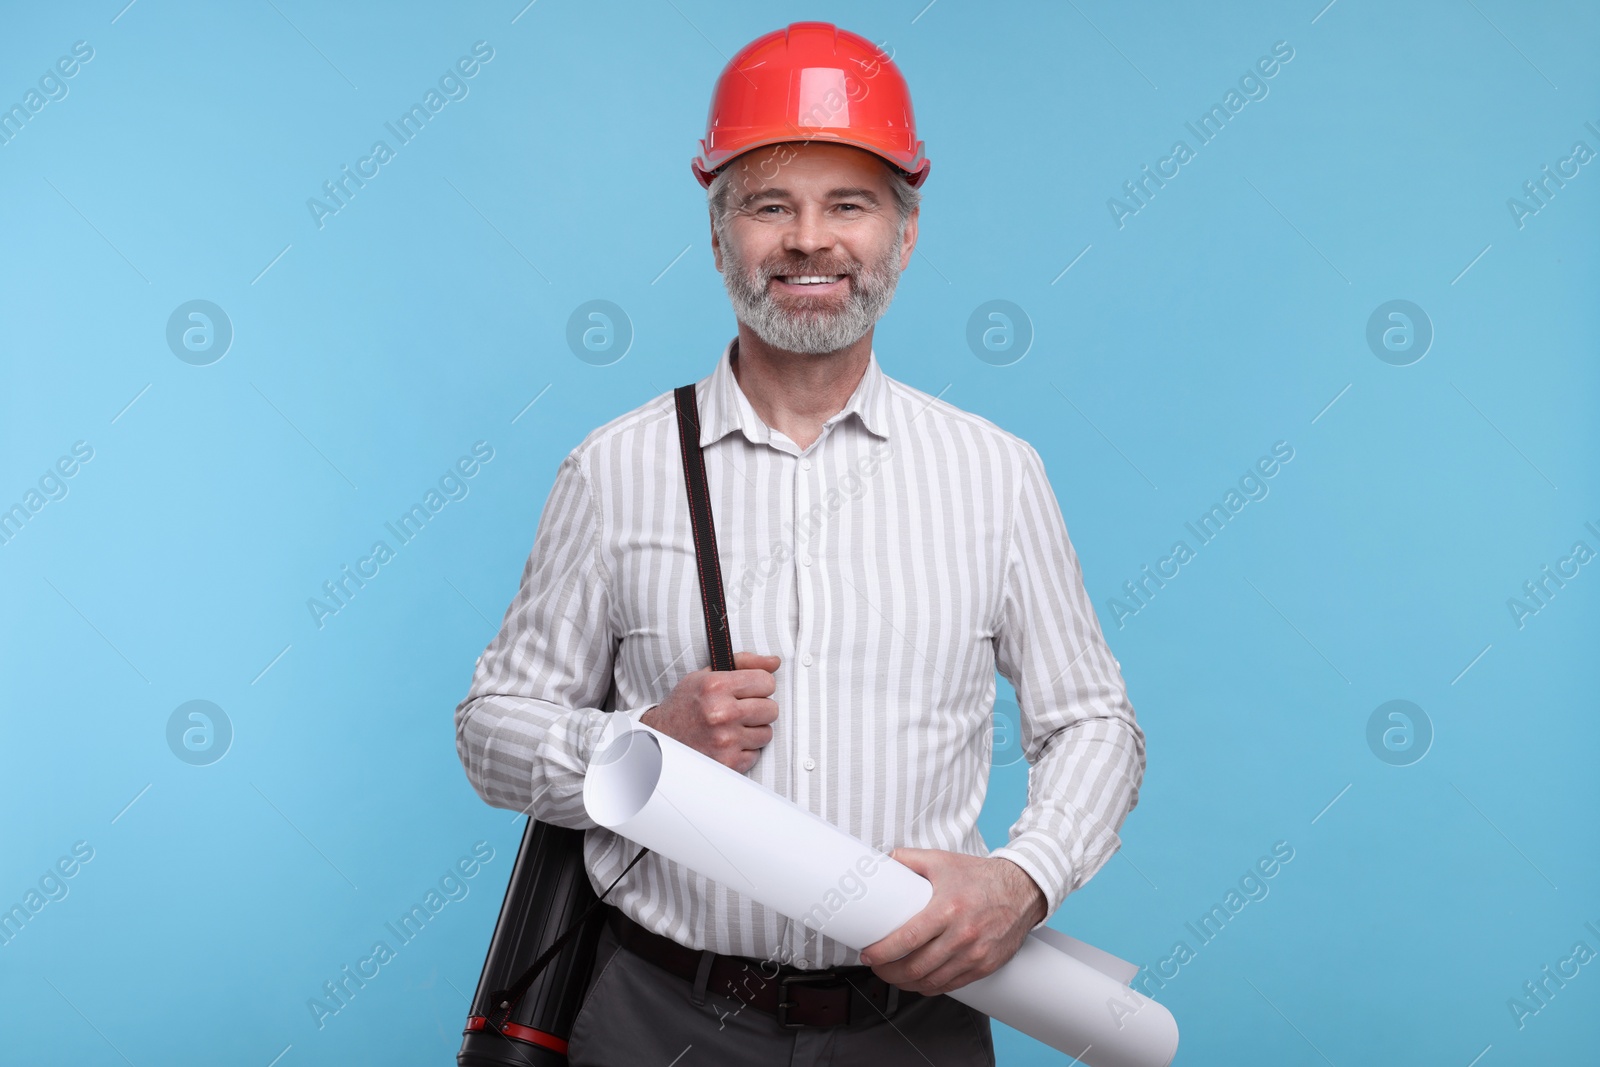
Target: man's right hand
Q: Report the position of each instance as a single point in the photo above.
(725, 714)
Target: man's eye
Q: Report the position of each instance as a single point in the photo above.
(853, 207)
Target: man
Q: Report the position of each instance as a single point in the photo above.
(883, 552)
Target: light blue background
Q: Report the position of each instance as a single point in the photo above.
(369, 354)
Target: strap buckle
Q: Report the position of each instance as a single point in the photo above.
(784, 1003)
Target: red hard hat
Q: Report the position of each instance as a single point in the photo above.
(811, 82)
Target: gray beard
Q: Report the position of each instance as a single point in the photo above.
(811, 329)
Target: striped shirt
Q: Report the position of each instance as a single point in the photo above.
(893, 565)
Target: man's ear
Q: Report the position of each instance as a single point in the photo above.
(716, 246)
(909, 241)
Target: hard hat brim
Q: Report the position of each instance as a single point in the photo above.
(707, 164)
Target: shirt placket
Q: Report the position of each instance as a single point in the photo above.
(810, 728)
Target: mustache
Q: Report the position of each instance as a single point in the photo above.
(809, 269)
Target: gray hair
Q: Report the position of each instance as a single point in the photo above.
(906, 197)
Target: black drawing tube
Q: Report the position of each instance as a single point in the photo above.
(549, 890)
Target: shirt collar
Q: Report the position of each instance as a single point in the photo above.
(725, 408)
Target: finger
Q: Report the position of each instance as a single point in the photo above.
(755, 661)
(752, 683)
(886, 949)
(927, 987)
(916, 970)
(757, 737)
(921, 860)
(939, 966)
(757, 711)
(947, 983)
(912, 935)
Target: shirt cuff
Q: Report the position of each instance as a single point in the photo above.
(1043, 860)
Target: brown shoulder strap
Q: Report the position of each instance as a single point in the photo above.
(705, 535)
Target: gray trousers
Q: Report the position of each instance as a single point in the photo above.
(637, 1015)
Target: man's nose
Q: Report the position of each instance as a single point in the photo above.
(809, 233)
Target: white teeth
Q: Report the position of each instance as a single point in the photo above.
(813, 279)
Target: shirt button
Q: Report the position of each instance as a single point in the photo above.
(802, 962)
(806, 659)
(805, 464)
(810, 765)
(806, 560)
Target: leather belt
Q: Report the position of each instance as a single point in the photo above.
(796, 998)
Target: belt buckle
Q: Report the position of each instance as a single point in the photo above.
(784, 1003)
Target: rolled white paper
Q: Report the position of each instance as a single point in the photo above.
(683, 805)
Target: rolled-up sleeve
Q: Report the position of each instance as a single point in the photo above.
(534, 713)
(1085, 751)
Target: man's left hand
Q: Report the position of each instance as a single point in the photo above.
(982, 908)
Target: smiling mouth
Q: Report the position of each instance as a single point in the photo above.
(811, 284)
